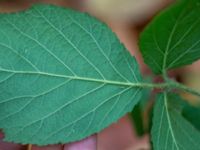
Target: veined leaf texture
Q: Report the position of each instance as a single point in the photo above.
(63, 76)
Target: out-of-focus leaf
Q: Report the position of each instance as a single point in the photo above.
(172, 39)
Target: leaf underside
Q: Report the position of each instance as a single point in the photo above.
(171, 131)
(172, 39)
(63, 76)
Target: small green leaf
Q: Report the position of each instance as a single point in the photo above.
(171, 131)
(63, 76)
(172, 39)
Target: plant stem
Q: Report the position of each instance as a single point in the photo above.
(165, 76)
(155, 85)
(171, 84)
(182, 87)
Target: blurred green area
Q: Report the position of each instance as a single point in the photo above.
(141, 114)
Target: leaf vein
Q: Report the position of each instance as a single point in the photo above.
(86, 114)
(71, 43)
(99, 47)
(41, 45)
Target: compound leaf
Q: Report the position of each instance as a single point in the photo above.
(170, 129)
(63, 76)
(172, 39)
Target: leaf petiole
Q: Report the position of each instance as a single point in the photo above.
(184, 88)
(171, 85)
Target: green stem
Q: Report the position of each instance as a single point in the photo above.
(176, 85)
(179, 86)
(165, 76)
(170, 85)
(155, 85)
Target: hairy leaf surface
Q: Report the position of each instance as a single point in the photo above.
(171, 131)
(172, 39)
(63, 76)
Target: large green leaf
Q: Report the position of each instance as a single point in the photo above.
(172, 39)
(171, 131)
(63, 76)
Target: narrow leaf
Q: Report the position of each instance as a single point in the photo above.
(63, 76)
(172, 39)
(171, 131)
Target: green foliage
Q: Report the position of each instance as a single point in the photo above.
(172, 39)
(137, 118)
(137, 115)
(171, 131)
(192, 114)
(63, 76)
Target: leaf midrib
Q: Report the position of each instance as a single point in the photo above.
(167, 49)
(169, 120)
(119, 83)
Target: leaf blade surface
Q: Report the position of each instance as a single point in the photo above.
(170, 129)
(172, 39)
(63, 76)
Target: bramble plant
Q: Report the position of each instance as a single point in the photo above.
(64, 75)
